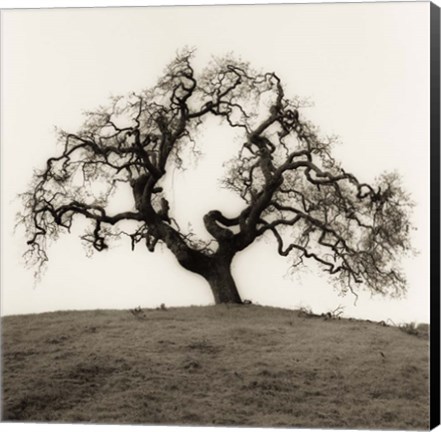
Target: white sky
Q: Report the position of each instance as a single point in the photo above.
(365, 66)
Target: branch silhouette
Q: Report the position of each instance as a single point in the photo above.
(291, 186)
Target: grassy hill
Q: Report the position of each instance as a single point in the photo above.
(224, 365)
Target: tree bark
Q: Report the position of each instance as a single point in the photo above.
(215, 270)
(222, 284)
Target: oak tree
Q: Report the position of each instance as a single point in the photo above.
(291, 187)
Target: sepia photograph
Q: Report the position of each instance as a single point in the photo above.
(217, 215)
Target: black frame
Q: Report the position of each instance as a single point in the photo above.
(434, 215)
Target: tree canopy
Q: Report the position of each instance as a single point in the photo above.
(291, 186)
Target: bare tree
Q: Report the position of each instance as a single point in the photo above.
(291, 186)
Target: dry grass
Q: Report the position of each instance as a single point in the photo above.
(225, 365)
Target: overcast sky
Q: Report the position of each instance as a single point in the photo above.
(365, 67)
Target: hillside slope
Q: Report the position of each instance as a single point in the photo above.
(226, 365)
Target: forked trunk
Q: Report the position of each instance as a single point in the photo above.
(222, 284)
(216, 270)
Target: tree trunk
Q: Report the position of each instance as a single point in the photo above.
(215, 269)
(222, 284)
